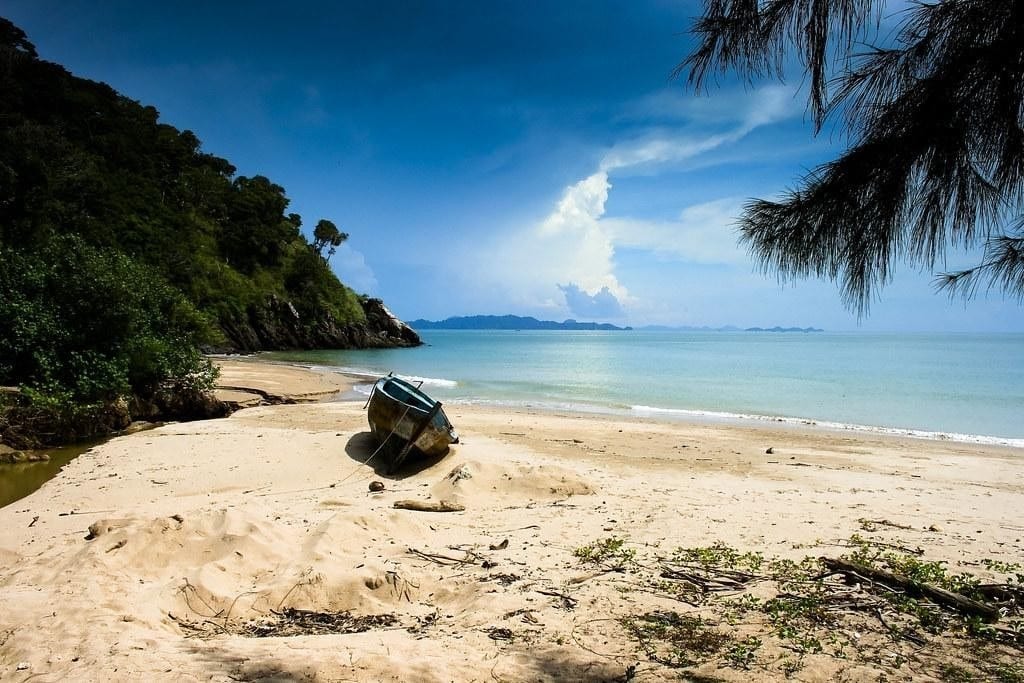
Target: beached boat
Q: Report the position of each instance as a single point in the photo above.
(405, 419)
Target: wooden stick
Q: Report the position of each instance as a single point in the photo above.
(442, 559)
(429, 506)
(567, 601)
(882, 522)
(938, 595)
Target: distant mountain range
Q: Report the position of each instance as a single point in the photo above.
(516, 322)
(507, 322)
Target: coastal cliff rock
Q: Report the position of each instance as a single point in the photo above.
(387, 325)
(278, 325)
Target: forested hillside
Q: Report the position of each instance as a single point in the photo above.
(125, 248)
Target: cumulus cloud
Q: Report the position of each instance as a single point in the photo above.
(603, 304)
(576, 242)
(580, 206)
(524, 266)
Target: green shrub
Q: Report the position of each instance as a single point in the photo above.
(87, 324)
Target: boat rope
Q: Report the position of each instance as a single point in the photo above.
(378, 450)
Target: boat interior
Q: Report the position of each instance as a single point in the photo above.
(406, 393)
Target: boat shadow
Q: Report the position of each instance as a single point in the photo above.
(362, 448)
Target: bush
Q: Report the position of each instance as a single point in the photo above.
(83, 324)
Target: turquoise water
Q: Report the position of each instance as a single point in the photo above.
(961, 385)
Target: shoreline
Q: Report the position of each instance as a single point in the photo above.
(147, 556)
(669, 415)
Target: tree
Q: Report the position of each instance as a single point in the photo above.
(934, 119)
(327, 233)
(256, 231)
(14, 39)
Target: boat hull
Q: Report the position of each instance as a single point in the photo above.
(405, 420)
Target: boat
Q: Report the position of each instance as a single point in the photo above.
(404, 420)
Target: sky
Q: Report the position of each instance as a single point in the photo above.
(529, 158)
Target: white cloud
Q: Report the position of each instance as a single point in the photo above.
(351, 267)
(580, 206)
(602, 305)
(703, 233)
(655, 149)
(570, 244)
(760, 108)
(576, 243)
(735, 106)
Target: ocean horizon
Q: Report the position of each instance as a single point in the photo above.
(959, 386)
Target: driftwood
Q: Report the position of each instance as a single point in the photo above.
(429, 506)
(568, 602)
(470, 558)
(869, 524)
(938, 595)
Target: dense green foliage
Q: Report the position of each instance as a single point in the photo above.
(327, 234)
(91, 324)
(124, 247)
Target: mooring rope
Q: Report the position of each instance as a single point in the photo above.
(379, 448)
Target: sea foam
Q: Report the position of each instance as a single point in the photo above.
(825, 424)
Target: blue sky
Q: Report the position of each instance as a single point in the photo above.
(495, 157)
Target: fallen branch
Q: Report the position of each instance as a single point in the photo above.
(938, 595)
(568, 602)
(444, 559)
(90, 512)
(429, 506)
(869, 524)
(880, 544)
(593, 575)
(708, 580)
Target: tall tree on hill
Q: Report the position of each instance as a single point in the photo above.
(14, 39)
(935, 125)
(325, 234)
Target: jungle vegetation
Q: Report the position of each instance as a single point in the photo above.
(125, 248)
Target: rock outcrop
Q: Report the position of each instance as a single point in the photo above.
(278, 325)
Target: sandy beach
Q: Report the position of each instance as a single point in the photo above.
(152, 556)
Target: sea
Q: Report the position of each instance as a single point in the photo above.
(961, 387)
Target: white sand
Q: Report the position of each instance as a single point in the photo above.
(216, 523)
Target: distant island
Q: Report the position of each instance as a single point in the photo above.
(783, 329)
(726, 328)
(516, 322)
(507, 322)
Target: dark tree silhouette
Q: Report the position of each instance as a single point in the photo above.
(934, 119)
(14, 39)
(326, 233)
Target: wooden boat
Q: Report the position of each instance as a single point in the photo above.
(403, 418)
